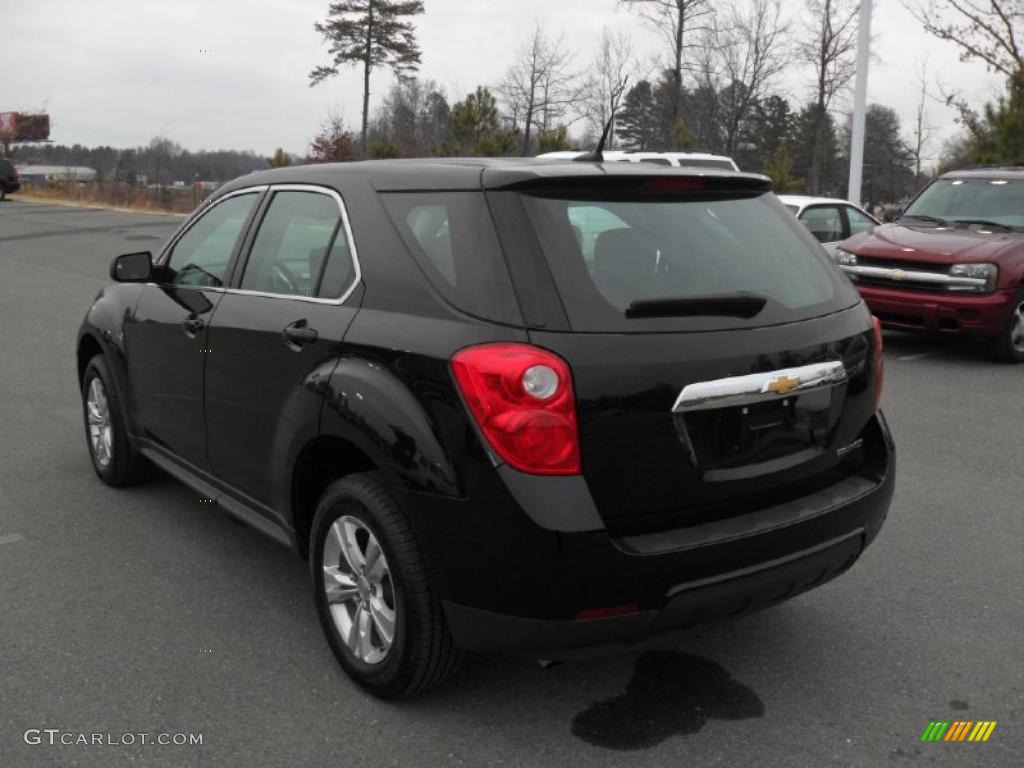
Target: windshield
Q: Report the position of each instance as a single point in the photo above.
(1000, 201)
(607, 255)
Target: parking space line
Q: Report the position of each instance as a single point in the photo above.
(920, 356)
(10, 538)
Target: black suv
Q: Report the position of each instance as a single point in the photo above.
(503, 405)
(9, 181)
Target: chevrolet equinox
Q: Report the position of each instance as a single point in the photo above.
(539, 407)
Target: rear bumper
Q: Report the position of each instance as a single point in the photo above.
(518, 588)
(11, 186)
(729, 594)
(982, 315)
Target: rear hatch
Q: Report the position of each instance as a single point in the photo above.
(720, 362)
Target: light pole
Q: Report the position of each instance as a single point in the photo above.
(860, 99)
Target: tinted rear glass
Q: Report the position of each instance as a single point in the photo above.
(452, 238)
(606, 254)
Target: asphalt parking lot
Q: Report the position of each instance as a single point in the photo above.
(144, 611)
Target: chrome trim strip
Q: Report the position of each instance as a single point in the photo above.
(759, 387)
(196, 215)
(358, 276)
(898, 276)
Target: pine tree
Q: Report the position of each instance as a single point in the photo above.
(475, 126)
(280, 159)
(998, 136)
(371, 33)
(638, 119)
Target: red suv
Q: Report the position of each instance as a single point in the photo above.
(952, 263)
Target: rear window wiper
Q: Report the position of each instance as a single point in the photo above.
(924, 217)
(744, 305)
(986, 223)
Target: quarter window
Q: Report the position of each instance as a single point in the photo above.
(298, 232)
(201, 255)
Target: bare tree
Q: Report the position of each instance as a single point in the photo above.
(983, 31)
(923, 130)
(829, 44)
(677, 21)
(604, 89)
(751, 51)
(539, 87)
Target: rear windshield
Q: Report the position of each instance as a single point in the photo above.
(608, 254)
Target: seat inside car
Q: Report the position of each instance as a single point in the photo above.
(624, 265)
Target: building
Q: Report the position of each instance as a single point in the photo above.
(41, 174)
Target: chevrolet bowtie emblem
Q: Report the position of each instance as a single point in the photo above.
(897, 274)
(782, 385)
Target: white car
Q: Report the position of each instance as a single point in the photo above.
(830, 220)
(673, 159)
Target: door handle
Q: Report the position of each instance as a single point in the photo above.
(298, 334)
(193, 325)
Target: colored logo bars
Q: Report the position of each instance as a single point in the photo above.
(958, 730)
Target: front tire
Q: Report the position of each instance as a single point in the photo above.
(1009, 347)
(115, 459)
(375, 599)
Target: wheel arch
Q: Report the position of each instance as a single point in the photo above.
(320, 462)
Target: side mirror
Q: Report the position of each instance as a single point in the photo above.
(132, 267)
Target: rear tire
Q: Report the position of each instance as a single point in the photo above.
(115, 459)
(3, 193)
(1009, 346)
(356, 516)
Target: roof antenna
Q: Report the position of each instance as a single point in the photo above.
(597, 156)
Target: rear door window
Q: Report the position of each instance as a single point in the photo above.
(607, 254)
(451, 237)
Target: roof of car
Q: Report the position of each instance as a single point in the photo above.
(802, 201)
(986, 172)
(465, 173)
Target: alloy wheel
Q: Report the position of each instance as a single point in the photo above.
(101, 437)
(359, 589)
(1017, 328)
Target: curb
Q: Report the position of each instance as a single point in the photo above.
(18, 197)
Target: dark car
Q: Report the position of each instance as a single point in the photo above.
(9, 181)
(503, 405)
(952, 263)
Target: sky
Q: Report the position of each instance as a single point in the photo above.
(233, 74)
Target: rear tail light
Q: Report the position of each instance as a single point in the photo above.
(876, 338)
(522, 399)
(607, 613)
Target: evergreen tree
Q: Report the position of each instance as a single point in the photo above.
(998, 135)
(553, 140)
(476, 129)
(638, 120)
(280, 159)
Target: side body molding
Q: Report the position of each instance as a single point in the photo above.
(374, 410)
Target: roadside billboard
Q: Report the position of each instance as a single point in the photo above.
(23, 126)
